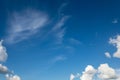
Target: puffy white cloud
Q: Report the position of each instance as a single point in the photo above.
(116, 43)
(72, 77)
(25, 24)
(106, 72)
(107, 54)
(89, 73)
(3, 53)
(12, 77)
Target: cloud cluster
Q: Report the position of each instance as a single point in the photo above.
(103, 72)
(116, 43)
(3, 53)
(12, 77)
(3, 69)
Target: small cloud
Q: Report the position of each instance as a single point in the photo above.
(3, 53)
(12, 77)
(115, 21)
(116, 43)
(72, 77)
(89, 73)
(3, 69)
(107, 54)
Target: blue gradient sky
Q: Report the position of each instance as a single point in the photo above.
(50, 39)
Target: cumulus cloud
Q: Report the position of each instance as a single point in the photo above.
(106, 72)
(25, 24)
(3, 53)
(116, 43)
(3, 69)
(72, 77)
(89, 73)
(103, 72)
(12, 77)
(107, 54)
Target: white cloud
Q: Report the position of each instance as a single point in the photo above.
(116, 43)
(12, 77)
(3, 53)
(89, 73)
(72, 77)
(106, 72)
(107, 54)
(25, 24)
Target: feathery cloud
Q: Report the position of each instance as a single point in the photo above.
(25, 24)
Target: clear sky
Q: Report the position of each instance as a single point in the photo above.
(58, 39)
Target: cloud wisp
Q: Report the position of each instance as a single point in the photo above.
(25, 24)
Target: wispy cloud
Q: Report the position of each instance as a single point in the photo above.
(58, 30)
(115, 21)
(74, 41)
(25, 24)
(58, 58)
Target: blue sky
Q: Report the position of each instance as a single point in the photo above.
(60, 39)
